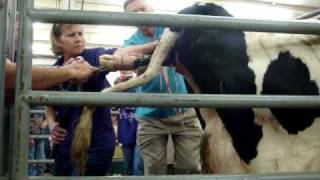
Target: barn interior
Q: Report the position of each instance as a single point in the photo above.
(107, 34)
(256, 9)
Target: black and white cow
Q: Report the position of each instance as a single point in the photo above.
(236, 62)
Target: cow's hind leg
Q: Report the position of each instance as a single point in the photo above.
(217, 152)
(209, 153)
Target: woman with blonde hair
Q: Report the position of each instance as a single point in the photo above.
(68, 43)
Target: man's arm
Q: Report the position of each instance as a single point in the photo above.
(129, 58)
(46, 77)
(123, 62)
(147, 48)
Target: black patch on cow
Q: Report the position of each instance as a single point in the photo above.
(288, 75)
(218, 62)
(208, 9)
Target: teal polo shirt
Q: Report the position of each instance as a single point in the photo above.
(158, 84)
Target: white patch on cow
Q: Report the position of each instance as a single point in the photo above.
(280, 152)
(277, 150)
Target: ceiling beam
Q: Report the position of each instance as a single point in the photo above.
(301, 3)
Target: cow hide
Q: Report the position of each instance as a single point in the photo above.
(246, 140)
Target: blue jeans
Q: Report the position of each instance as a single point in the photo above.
(133, 162)
(128, 155)
(137, 162)
(36, 152)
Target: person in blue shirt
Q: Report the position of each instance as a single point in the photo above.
(127, 134)
(68, 43)
(155, 123)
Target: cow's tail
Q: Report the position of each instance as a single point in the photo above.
(204, 151)
(82, 139)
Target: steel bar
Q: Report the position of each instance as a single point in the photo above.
(170, 100)
(190, 21)
(11, 35)
(51, 161)
(285, 176)
(309, 15)
(7, 51)
(2, 4)
(4, 8)
(41, 161)
(39, 136)
(37, 112)
(3, 24)
(23, 84)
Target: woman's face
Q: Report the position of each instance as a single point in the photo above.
(72, 40)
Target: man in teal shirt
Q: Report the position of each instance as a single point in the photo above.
(155, 123)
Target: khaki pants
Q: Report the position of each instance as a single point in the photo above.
(186, 132)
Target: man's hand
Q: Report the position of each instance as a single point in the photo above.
(80, 70)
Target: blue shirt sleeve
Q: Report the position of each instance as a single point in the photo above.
(100, 52)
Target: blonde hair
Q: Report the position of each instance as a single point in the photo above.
(55, 34)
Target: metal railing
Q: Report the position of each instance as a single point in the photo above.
(24, 95)
(3, 24)
(6, 23)
(309, 15)
(170, 100)
(191, 21)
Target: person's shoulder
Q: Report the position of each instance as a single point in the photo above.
(92, 50)
(136, 33)
(135, 36)
(135, 39)
(59, 61)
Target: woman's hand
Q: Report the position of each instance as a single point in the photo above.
(58, 134)
(31, 142)
(80, 70)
